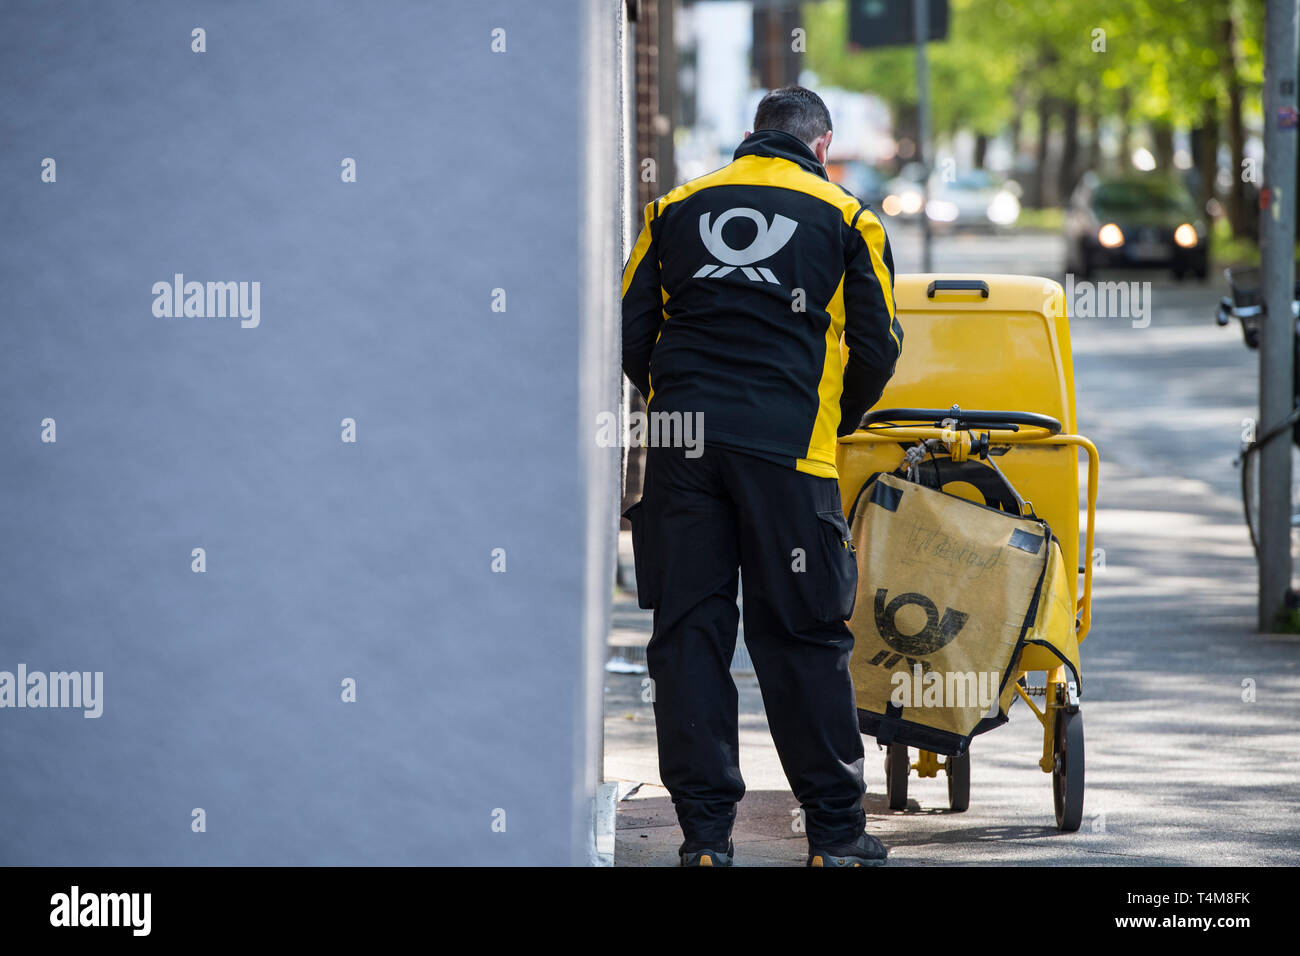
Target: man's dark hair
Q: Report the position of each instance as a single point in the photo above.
(795, 110)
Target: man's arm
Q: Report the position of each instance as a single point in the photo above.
(871, 330)
(642, 305)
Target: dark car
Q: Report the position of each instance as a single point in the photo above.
(1135, 221)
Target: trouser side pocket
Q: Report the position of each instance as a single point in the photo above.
(647, 564)
(839, 585)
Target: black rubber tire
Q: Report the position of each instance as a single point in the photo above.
(1250, 495)
(897, 766)
(1067, 775)
(959, 782)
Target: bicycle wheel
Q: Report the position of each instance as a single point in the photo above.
(1250, 500)
(1250, 494)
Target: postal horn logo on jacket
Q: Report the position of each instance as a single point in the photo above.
(761, 362)
(767, 242)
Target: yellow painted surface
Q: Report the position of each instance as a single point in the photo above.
(1009, 352)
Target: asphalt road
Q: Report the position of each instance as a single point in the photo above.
(1182, 768)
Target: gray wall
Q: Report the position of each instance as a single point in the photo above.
(325, 560)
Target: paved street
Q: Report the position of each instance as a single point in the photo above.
(1180, 769)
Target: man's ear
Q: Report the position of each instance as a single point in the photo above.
(821, 146)
(747, 132)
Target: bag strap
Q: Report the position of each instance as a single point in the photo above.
(940, 470)
(858, 497)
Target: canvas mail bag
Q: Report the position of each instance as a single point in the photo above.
(949, 591)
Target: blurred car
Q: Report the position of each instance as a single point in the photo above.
(864, 181)
(904, 195)
(1135, 221)
(973, 199)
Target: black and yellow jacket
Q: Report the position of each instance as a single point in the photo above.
(735, 297)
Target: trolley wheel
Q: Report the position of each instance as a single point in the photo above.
(1067, 774)
(959, 782)
(897, 766)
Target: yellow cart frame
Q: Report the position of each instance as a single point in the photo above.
(982, 343)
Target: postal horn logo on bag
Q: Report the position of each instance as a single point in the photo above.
(937, 632)
(767, 242)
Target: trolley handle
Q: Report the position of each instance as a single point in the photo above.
(964, 419)
(957, 285)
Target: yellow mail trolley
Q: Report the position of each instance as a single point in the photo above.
(984, 389)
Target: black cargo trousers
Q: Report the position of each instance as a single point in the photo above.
(699, 521)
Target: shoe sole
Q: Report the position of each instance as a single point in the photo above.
(820, 859)
(706, 859)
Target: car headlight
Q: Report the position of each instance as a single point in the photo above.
(1110, 236)
(891, 205)
(941, 210)
(910, 203)
(1185, 236)
(1004, 209)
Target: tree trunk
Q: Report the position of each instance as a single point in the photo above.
(1205, 151)
(1238, 212)
(1125, 131)
(1038, 196)
(907, 125)
(1163, 135)
(1067, 173)
(981, 149)
(1092, 154)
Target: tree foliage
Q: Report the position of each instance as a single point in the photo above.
(1139, 61)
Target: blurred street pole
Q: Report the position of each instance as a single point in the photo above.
(775, 61)
(1277, 341)
(921, 28)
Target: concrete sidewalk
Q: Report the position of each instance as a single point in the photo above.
(1180, 768)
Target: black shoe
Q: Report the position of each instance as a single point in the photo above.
(866, 850)
(696, 854)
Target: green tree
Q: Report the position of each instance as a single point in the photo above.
(1038, 65)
